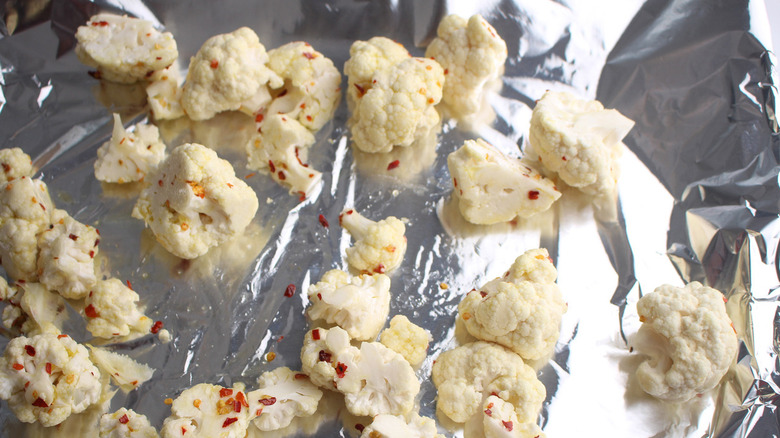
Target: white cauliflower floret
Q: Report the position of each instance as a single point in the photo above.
(379, 246)
(47, 377)
(32, 308)
(283, 395)
(498, 419)
(126, 423)
(689, 339)
(410, 426)
(124, 371)
(472, 54)
(164, 93)
(409, 340)
(399, 107)
(312, 84)
(467, 374)
(129, 156)
(579, 140)
(326, 355)
(195, 202)
(15, 164)
(208, 411)
(281, 150)
(112, 310)
(359, 305)
(367, 58)
(124, 49)
(492, 188)
(25, 212)
(522, 315)
(66, 259)
(229, 72)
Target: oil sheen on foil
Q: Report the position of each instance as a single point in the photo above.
(699, 199)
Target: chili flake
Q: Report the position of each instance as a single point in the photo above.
(30, 350)
(533, 194)
(290, 291)
(91, 312)
(267, 401)
(300, 376)
(224, 392)
(483, 293)
(123, 419)
(18, 366)
(323, 221)
(156, 327)
(393, 165)
(271, 166)
(73, 237)
(40, 403)
(341, 369)
(48, 368)
(241, 399)
(214, 63)
(324, 356)
(229, 421)
(359, 427)
(315, 334)
(508, 425)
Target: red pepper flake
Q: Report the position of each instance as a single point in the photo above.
(301, 196)
(40, 403)
(61, 336)
(508, 425)
(259, 118)
(44, 208)
(236, 406)
(129, 286)
(91, 312)
(6, 167)
(249, 175)
(563, 158)
(92, 254)
(158, 58)
(73, 237)
(361, 90)
(156, 327)
(241, 399)
(96, 240)
(341, 369)
(308, 55)
(315, 334)
(271, 166)
(319, 296)
(446, 71)
(533, 194)
(483, 293)
(214, 63)
(323, 221)
(30, 350)
(290, 291)
(18, 366)
(100, 23)
(224, 392)
(359, 427)
(455, 180)
(229, 421)
(488, 412)
(325, 356)
(267, 401)
(393, 165)
(159, 183)
(494, 394)
(300, 376)
(48, 368)
(379, 269)
(183, 430)
(123, 419)
(230, 185)
(303, 105)
(282, 176)
(309, 118)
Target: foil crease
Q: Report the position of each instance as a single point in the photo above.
(699, 199)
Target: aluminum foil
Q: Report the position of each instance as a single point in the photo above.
(699, 199)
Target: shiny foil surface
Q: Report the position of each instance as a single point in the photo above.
(699, 200)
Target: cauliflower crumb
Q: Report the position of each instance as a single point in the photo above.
(124, 371)
(164, 93)
(359, 305)
(498, 419)
(283, 394)
(15, 164)
(688, 338)
(124, 49)
(112, 310)
(208, 411)
(47, 377)
(379, 246)
(472, 54)
(492, 188)
(409, 340)
(229, 72)
(409, 426)
(126, 423)
(195, 202)
(129, 156)
(365, 59)
(32, 308)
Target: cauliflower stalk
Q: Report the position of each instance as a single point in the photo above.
(498, 419)
(688, 338)
(409, 340)
(129, 156)
(126, 423)
(32, 308)
(208, 411)
(66, 256)
(359, 305)
(367, 58)
(492, 188)
(164, 93)
(124, 371)
(379, 246)
(409, 426)
(283, 395)
(15, 164)
(112, 310)
(195, 202)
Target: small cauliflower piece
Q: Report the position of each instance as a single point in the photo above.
(367, 58)
(66, 256)
(472, 54)
(283, 395)
(32, 308)
(688, 338)
(393, 426)
(112, 310)
(467, 374)
(492, 188)
(580, 141)
(522, 315)
(47, 377)
(129, 156)
(326, 355)
(281, 150)
(359, 305)
(124, 49)
(208, 411)
(124, 371)
(228, 73)
(164, 93)
(379, 246)
(126, 423)
(312, 84)
(15, 164)
(409, 340)
(399, 107)
(498, 419)
(195, 202)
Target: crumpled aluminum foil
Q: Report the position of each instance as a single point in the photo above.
(699, 199)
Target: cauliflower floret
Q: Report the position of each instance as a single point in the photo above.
(229, 72)
(124, 371)
(467, 374)
(522, 315)
(129, 156)
(283, 395)
(689, 339)
(208, 411)
(312, 88)
(498, 419)
(281, 150)
(579, 140)
(492, 188)
(32, 308)
(15, 163)
(124, 49)
(367, 58)
(392, 426)
(399, 107)
(359, 305)
(326, 355)
(472, 54)
(409, 340)
(379, 246)
(112, 310)
(195, 202)
(164, 93)
(126, 423)
(47, 377)
(66, 259)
